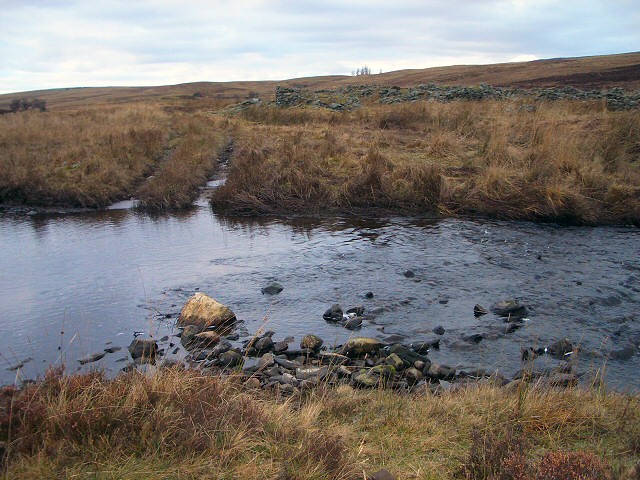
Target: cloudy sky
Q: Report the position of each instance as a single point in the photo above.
(68, 43)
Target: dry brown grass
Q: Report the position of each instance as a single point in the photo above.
(563, 161)
(200, 140)
(85, 158)
(183, 424)
(91, 157)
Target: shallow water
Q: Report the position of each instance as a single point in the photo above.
(72, 283)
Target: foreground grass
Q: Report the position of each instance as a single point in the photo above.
(181, 424)
(566, 161)
(91, 157)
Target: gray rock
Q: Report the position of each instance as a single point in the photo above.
(139, 348)
(266, 361)
(230, 359)
(272, 289)
(509, 308)
(188, 333)
(358, 311)
(313, 372)
(331, 358)
(473, 338)
(624, 353)
(407, 355)
(441, 372)
(413, 375)
(439, 330)
(395, 361)
(479, 310)
(280, 347)
(559, 348)
(112, 349)
(220, 348)
(425, 345)
(353, 323)
(333, 314)
(264, 344)
(288, 364)
(361, 346)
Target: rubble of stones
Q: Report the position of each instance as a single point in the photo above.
(352, 96)
(265, 362)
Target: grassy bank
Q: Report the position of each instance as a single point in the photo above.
(180, 424)
(566, 161)
(91, 157)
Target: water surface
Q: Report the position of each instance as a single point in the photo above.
(73, 284)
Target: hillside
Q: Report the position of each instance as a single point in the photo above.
(622, 70)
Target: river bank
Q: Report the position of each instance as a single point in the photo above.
(181, 424)
(568, 161)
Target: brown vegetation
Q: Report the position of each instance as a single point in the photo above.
(181, 424)
(605, 71)
(91, 157)
(568, 161)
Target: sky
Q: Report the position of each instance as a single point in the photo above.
(79, 43)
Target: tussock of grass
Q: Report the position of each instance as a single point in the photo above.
(567, 161)
(186, 425)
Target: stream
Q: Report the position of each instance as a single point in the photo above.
(76, 283)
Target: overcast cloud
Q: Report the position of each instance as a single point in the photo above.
(50, 44)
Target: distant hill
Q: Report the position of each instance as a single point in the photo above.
(605, 71)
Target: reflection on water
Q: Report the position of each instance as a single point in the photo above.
(71, 284)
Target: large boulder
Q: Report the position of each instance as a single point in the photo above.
(203, 311)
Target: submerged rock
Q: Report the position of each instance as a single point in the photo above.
(509, 308)
(140, 348)
(426, 345)
(272, 289)
(19, 364)
(203, 311)
(439, 330)
(94, 357)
